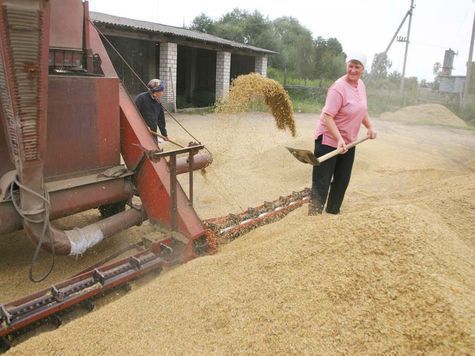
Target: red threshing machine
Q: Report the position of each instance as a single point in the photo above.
(65, 121)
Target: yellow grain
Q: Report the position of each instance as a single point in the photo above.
(254, 88)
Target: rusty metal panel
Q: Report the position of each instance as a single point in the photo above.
(5, 161)
(108, 117)
(24, 39)
(66, 27)
(24, 29)
(83, 125)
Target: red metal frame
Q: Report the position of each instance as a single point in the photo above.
(152, 179)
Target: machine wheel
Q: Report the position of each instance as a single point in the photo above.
(112, 209)
(5, 344)
(88, 305)
(55, 320)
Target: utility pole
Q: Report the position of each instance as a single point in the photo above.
(384, 54)
(407, 47)
(469, 67)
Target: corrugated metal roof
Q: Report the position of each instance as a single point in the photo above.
(98, 17)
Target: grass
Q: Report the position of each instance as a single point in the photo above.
(307, 106)
(289, 79)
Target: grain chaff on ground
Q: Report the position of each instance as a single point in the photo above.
(254, 88)
(393, 274)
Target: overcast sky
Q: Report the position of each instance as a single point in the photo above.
(364, 25)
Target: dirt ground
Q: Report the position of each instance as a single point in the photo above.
(393, 273)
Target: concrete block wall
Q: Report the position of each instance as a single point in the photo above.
(168, 67)
(223, 73)
(261, 65)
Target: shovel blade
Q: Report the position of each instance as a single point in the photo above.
(304, 156)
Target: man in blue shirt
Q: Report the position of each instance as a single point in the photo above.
(150, 107)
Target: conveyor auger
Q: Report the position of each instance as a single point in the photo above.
(46, 305)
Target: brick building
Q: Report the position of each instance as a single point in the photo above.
(197, 67)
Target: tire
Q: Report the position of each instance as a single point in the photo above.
(112, 209)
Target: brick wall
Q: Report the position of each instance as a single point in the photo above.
(223, 71)
(168, 64)
(261, 65)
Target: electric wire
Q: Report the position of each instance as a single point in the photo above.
(45, 231)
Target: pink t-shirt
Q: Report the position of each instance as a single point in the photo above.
(348, 107)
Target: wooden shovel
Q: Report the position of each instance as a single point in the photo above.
(165, 138)
(306, 156)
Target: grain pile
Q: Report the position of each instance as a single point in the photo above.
(393, 274)
(251, 88)
(425, 114)
(386, 280)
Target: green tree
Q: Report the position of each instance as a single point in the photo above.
(334, 46)
(393, 81)
(298, 53)
(395, 76)
(231, 26)
(380, 66)
(246, 27)
(304, 58)
(329, 58)
(295, 47)
(203, 23)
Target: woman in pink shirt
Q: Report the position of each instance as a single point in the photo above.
(339, 124)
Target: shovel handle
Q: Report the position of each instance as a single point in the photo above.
(165, 138)
(336, 152)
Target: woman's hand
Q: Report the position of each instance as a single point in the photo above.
(371, 133)
(341, 145)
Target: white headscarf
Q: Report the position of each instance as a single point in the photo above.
(355, 56)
